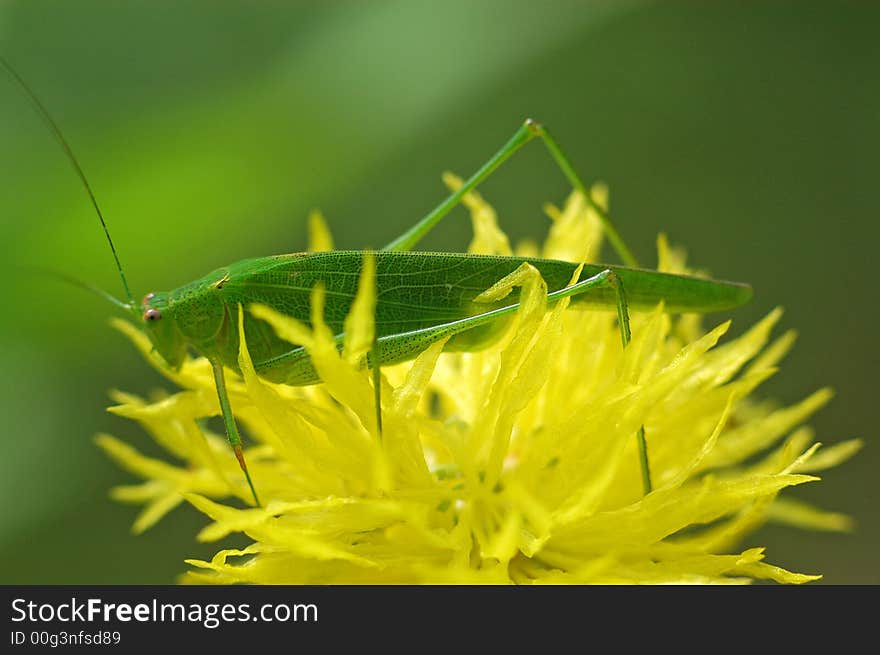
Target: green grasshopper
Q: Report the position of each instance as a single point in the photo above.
(421, 297)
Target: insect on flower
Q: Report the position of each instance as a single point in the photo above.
(421, 298)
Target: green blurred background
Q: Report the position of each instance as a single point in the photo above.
(749, 132)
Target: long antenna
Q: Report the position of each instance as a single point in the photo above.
(44, 114)
(69, 279)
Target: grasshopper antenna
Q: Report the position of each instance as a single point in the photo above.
(79, 284)
(44, 114)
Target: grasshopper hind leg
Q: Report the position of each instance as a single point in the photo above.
(528, 131)
(611, 279)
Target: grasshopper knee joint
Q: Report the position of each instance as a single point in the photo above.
(534, 126)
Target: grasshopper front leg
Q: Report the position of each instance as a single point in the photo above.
(231, 429)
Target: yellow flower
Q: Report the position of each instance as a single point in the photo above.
(516, 463)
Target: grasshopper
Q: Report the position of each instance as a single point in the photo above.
(421, 297)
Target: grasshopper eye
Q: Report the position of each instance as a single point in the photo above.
(152, 314)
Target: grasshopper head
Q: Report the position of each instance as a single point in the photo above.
(162, 329)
